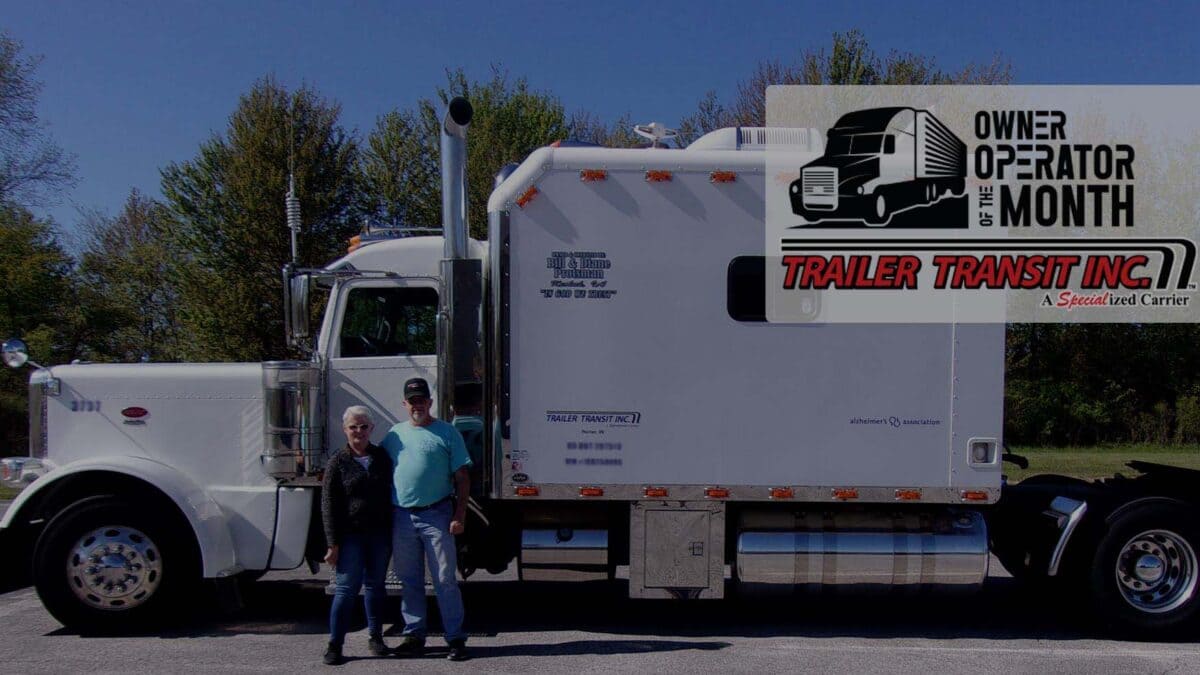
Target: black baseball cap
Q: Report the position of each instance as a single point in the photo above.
(417, 386)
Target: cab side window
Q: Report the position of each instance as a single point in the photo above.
(389, 322)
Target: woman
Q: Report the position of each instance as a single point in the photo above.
(356, 504)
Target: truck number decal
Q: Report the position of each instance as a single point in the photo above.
(84, 405)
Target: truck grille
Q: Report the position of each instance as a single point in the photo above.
(820, 188)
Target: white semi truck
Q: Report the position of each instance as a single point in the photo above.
(637, 410)
(878, 162)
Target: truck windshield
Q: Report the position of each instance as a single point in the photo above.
(854, 144)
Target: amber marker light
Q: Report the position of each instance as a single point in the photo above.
(593, 175)
(722, 177)
(355, 242)
(527, 196)
(716, 493)
(656, 492)
(782, 493)
(658, 176)
(908, 495)
(591, 492)
(974, 495)
(845, 493)
(527, 491)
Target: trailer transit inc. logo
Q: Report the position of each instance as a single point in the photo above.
(932, 204)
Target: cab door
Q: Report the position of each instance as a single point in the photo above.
(384, 332)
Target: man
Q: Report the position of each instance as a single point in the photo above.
(430, 494)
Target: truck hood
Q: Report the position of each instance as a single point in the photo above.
(203, 419)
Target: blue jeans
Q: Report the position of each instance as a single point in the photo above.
(421, 535)
(362, 559)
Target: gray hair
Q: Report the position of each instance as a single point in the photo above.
(357, 411)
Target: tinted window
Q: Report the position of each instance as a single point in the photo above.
(389, 322)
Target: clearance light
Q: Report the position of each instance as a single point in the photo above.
(591, 492)
(527, 197)
(845, 493)
(556, 144)
(355, 242)
(656, 492)
(527, 491)
(716, 493)
(974, 495)
(908, 495)
(593, 175)
(658, 176)
(722, 177)
(782, 493)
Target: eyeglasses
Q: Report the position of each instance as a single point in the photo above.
(358, 427)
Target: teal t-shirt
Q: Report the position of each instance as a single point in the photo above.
(425, 459)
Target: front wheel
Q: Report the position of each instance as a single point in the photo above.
(878, 212)
(1145, 572)
(102, 564)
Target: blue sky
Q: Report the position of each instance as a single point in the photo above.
(132, 86)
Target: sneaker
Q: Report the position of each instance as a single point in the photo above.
(410, 646)
(458, 650)
(377, 646)
(333, 655)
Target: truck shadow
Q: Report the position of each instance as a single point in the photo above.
(1003, 610)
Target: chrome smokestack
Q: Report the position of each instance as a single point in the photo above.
(462, 277)
(454, 178)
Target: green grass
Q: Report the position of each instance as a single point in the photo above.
(1101, 461)
(8, 492)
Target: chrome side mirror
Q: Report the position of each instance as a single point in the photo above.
(295, 307)
(15, 353)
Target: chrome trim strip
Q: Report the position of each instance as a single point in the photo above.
(496, 389)
(41, 384)
(1068, 513)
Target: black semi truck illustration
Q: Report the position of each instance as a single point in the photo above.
(880, 161)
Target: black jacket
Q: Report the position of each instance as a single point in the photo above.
(354, 500)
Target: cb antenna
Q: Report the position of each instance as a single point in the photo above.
(292, 202)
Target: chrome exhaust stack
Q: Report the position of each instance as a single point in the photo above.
(459, 348)
(454, 177)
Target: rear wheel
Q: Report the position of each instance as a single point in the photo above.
(102, 564)
(1145, 573)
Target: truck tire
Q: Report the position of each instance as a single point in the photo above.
(1145, 572)
(879, 210)
(102, 564)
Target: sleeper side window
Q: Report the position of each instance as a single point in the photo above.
(389, 321)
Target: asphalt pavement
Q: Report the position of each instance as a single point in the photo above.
(520, 628)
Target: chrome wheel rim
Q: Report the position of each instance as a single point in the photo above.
(1157, 571)
(114, 568)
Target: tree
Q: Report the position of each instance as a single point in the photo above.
(227, 234)
(401, 169)
(126, 292)
(37, 304)
(850, 61)
(32, 167)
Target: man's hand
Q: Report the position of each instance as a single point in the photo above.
(331, 555)
(457, 525)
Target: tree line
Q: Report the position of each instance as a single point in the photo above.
(194, 276)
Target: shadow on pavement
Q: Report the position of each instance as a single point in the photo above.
(1002, 610)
